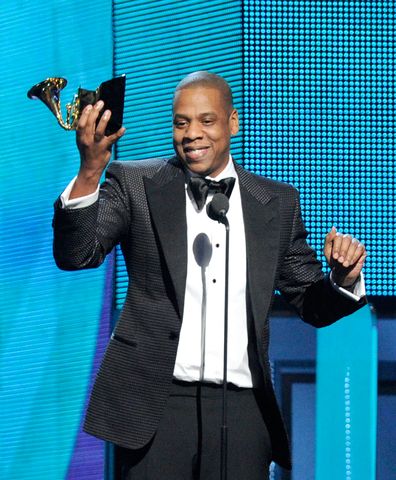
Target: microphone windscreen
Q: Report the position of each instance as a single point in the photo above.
(218, 207)
(202, 249)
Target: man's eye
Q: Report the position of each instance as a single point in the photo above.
(208, 122)
(180, 123)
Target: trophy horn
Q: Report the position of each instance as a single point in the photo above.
(110, 92)
(48, 91)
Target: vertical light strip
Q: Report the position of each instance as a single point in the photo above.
(346, 392)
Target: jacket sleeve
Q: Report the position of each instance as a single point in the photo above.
(84, 236)
(303, 284)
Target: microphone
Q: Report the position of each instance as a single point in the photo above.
(218, 208)
(202, 249)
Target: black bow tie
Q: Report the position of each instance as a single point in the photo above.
(200, 188)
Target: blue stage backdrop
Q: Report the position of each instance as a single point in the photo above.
(315, 84)
(156, 45)
(50, 320)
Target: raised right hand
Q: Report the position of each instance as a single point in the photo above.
(94, 147)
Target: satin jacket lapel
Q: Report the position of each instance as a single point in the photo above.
(165, 193)
(262, 229)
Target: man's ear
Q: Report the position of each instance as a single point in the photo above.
(234, 122)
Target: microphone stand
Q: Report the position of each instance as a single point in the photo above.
(224, 428)
(217, 210)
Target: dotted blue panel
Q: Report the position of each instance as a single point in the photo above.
(319, 112)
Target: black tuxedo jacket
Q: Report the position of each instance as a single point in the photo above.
(142, 207)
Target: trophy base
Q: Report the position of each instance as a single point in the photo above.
(112, 94)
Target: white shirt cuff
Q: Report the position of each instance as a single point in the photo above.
(79, 202)
(359, 289)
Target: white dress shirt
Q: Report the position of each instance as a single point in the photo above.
(200, 351)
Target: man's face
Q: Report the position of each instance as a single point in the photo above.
(202, 129)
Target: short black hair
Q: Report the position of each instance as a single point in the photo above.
(203, 78)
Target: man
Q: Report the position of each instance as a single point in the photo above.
(157, 394)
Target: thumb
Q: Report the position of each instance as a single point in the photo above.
(328, 243)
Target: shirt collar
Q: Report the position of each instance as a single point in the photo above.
(229, 171)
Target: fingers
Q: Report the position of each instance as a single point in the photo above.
(101, 129)
(88, 129)
(347, 253)
(87, 121)
(102, 124)
(347, 250)
(88, 118)
(355, 252)
(331, 235)
(115, 136)
(84, 118)
(92, 142)
(341, 246)
(343, 250)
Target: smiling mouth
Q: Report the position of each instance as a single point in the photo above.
(195, 153)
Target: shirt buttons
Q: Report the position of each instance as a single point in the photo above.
(214, 280)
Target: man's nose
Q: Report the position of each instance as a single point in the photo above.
(193, 131)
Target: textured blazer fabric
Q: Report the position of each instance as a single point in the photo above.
(142, 207)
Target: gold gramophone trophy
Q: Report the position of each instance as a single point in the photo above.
(111, 93)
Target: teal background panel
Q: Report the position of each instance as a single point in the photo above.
(49, 319)
(346, 414)
(156, 44)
